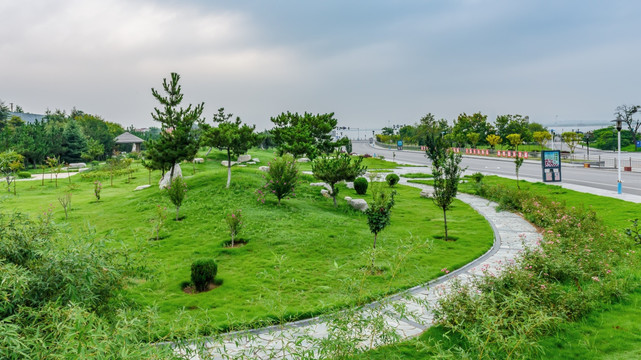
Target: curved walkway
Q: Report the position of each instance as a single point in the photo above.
(292, 340)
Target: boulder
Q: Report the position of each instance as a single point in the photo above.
(77, 165)
(358, 204)
(165, 181)
(225, 163)
(302, 160)
(251, 163)
(142, 187)
(349, 184)
(348, 199)
(326, 186)
(256, 160)
(264, 168)
(244, 158)
(425, 193)
(325, 193)
(199, 160)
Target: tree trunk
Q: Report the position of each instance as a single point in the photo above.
(43, 176)
(171, 174)
(334, 195)
(232, 240)
(445, 222)
(149, 176)
(228, 168)
(208, 151)
(177, 210)
(373, 252)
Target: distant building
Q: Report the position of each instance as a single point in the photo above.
(27, 117)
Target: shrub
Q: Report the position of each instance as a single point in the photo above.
(97, 187)
(203, 272)
(176, 192)
(235, 223)
(24, 175)
(281, 177)
(360, 185)
(392, 179)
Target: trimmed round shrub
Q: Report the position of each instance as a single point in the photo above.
(392, 179)
(360, 185)
(24, 175)
(203, 272)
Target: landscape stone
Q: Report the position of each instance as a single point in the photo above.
(349, 184)
(326, 186)
(358, 204)
(77, 165)
(347, 198)
(244, 158)
(325, 193)
(165, 181)
(142, 187)
(256, 160)
(251, 163)
(225, 163)
(264, 168)
(303, 160)
(199, 160)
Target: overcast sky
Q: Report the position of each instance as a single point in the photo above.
(372, 63)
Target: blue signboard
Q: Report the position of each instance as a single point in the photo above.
(399, 144)
(551, 165)
(638, 143)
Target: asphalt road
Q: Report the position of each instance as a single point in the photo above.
(605, 179)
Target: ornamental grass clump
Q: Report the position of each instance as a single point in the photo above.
(203, 272)
(176, 192)
(235, 224)
(577, 266)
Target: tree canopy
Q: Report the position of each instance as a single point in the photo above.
(305, 134)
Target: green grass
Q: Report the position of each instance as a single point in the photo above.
(614, 332)
(302, 258)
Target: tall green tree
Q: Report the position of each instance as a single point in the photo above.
(379, 213)
(233, 137)
(94, 127)
(475, 123)
(339, 167)
(305, 134)
(178, 139)
(74, 142)
(514, 124)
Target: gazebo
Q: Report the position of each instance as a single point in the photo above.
(128, 138)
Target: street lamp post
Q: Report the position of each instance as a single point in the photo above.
(619, 125)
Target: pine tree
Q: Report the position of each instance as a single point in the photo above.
(178, 139)
(231, 136)
(74, 142)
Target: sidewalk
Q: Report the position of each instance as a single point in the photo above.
(512, 234)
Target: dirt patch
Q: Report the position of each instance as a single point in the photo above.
(191, 289)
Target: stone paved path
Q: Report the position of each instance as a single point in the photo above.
(512, 234)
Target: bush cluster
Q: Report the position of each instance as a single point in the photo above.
(360, 185)
(392, 179)
(203, 272)
(24, 175)
(578, 265)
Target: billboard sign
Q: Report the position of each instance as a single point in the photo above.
(399, 144)
(551, 165)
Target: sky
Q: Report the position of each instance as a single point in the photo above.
(372, 63)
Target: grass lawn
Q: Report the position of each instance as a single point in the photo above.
(302, 258)
(614, 332)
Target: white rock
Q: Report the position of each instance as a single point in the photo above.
(348, 199)
(349, 184)
(142, 187)
(225, 163)
(251, 163)
(165, 181)
(77, 165)
(199, 160)
(358, 204)
(302, 160)
(256, 160)
(244, 158)
(325, 193)
(264, 168)
(425, 193)
(326, 186)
